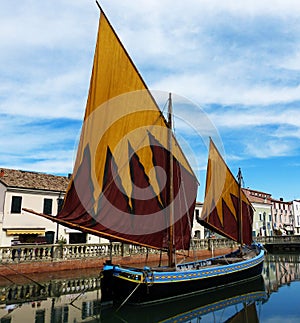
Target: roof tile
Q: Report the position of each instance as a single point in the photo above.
(33, 180)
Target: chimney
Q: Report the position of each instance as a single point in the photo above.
(1, 173)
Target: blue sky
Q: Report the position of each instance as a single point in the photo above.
(238, 61)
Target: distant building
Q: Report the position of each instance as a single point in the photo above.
(42, 193)
(296, 213)
(283, 217)
(262, 218)
(198, 230)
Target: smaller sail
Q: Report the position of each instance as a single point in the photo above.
(226, 208)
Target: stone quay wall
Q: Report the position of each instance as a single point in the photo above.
(55, 257)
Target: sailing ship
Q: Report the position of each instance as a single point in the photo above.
(132, 183)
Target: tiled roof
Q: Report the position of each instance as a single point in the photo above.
(33, 180)
(257, 196)
(281, 201)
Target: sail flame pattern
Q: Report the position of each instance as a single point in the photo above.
(226, 208)
(119, 185)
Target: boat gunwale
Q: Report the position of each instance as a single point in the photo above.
(163, 276)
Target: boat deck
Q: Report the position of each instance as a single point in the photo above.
(228, 259)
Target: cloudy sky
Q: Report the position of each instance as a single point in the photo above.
(238, 61)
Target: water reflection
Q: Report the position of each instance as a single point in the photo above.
(231, 304)
(280, 270)
(71, 296)
(74, 296)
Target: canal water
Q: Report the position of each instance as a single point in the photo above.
(74, 296)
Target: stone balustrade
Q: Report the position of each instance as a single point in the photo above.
(14, 293)
(60, 252)
(279, 239)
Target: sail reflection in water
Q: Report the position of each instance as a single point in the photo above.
(75, 296)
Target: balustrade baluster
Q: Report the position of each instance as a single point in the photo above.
(80, 251)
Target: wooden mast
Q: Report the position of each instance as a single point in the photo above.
(171, 260)
(240, 222)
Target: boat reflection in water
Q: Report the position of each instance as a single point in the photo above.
(75, 296)
(235, 303)
(79, 300)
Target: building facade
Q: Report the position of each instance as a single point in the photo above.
(262, 217)
(283, 217)
(42, 193)
(296, 214)
(198, 230)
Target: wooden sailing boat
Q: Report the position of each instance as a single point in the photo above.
(132, 183)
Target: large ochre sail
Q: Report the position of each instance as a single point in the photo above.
(120, 175)
(226, 208)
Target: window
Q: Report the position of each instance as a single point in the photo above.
(90, 308)
(60, 314)
(197, 234)
(16, 204)
(5, 319)
(77, 238)
(260, 217)
(40, 316)
(47, 206)
(60, 203)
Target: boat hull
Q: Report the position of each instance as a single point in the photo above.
(138, 286)
(192, 307)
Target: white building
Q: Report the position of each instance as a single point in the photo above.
(262, 217)
(198, 229)
(283, 216)
(296, 214)
(42, 193)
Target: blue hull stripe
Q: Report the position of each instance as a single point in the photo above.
(155, 277)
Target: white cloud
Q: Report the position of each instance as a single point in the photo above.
(268, 148)
(255, 116)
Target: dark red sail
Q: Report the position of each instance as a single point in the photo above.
(116, 191)
(226, 208)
